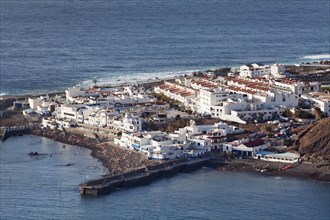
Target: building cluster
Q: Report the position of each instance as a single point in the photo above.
(255, 93)
(190, 141)
(250, 93)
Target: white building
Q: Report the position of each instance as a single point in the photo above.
(163, 146)
(129, 123)
(277, 157)
(277, 71)
(319, 99)
(216, 133)
(177, 92)
(294, 86)
(41, 104)
(72, 93)
(216, 102)
(135, 90)
(254, 70)
(257, 89)
(67, 111)
(245, 147)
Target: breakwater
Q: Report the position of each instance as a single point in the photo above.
(139, 176)
(7, 132)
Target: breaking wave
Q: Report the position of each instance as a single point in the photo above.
(316, 57)
(137, 77)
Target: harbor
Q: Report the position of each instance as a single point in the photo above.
(140, 176)
(6, 132)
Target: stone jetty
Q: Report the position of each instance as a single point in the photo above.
(140, 176)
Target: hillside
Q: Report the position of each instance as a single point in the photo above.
(314, 143)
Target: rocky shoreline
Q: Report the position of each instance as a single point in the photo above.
(115, 159)
(303, 170)
(118, 160)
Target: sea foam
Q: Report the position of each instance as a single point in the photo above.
(316, 57)
(134, 78)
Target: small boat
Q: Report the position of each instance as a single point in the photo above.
(33, 153)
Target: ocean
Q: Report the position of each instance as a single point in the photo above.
(50, 45)
(47, 187)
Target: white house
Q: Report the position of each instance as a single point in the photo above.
(294, 86)
(163, 146)
(129, 123)
(254, 70)
(177, 92)
(286, 157)
(277, 71)
(245, 147)
(72, 93)
(216, 133)
(319, 99)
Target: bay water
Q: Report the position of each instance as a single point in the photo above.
(49, 45)
(47, 187)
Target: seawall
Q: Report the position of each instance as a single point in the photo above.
(140, 176)
(15, 131)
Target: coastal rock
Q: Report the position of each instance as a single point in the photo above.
(315, 140)
(314, 145)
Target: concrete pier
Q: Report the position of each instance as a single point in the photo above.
(6, 132)
(2, 133)
(140, 176)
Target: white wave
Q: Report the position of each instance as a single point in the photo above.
(316, 57)
(136, 77)
(3, 94)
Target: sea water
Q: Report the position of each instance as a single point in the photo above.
(47, 187)
(50, 45)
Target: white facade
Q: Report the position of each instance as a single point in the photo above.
(293, 86)
(277, 71)
(264, 114)
(177, 92)
(129, 123)
(216, 133)
(135, 90)
(277, 157)
(321, 100)
(74, 92)
(254, 70)
(245, 147)
(163, 146)
(67, 112)
(216, 102)
(40, 104)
